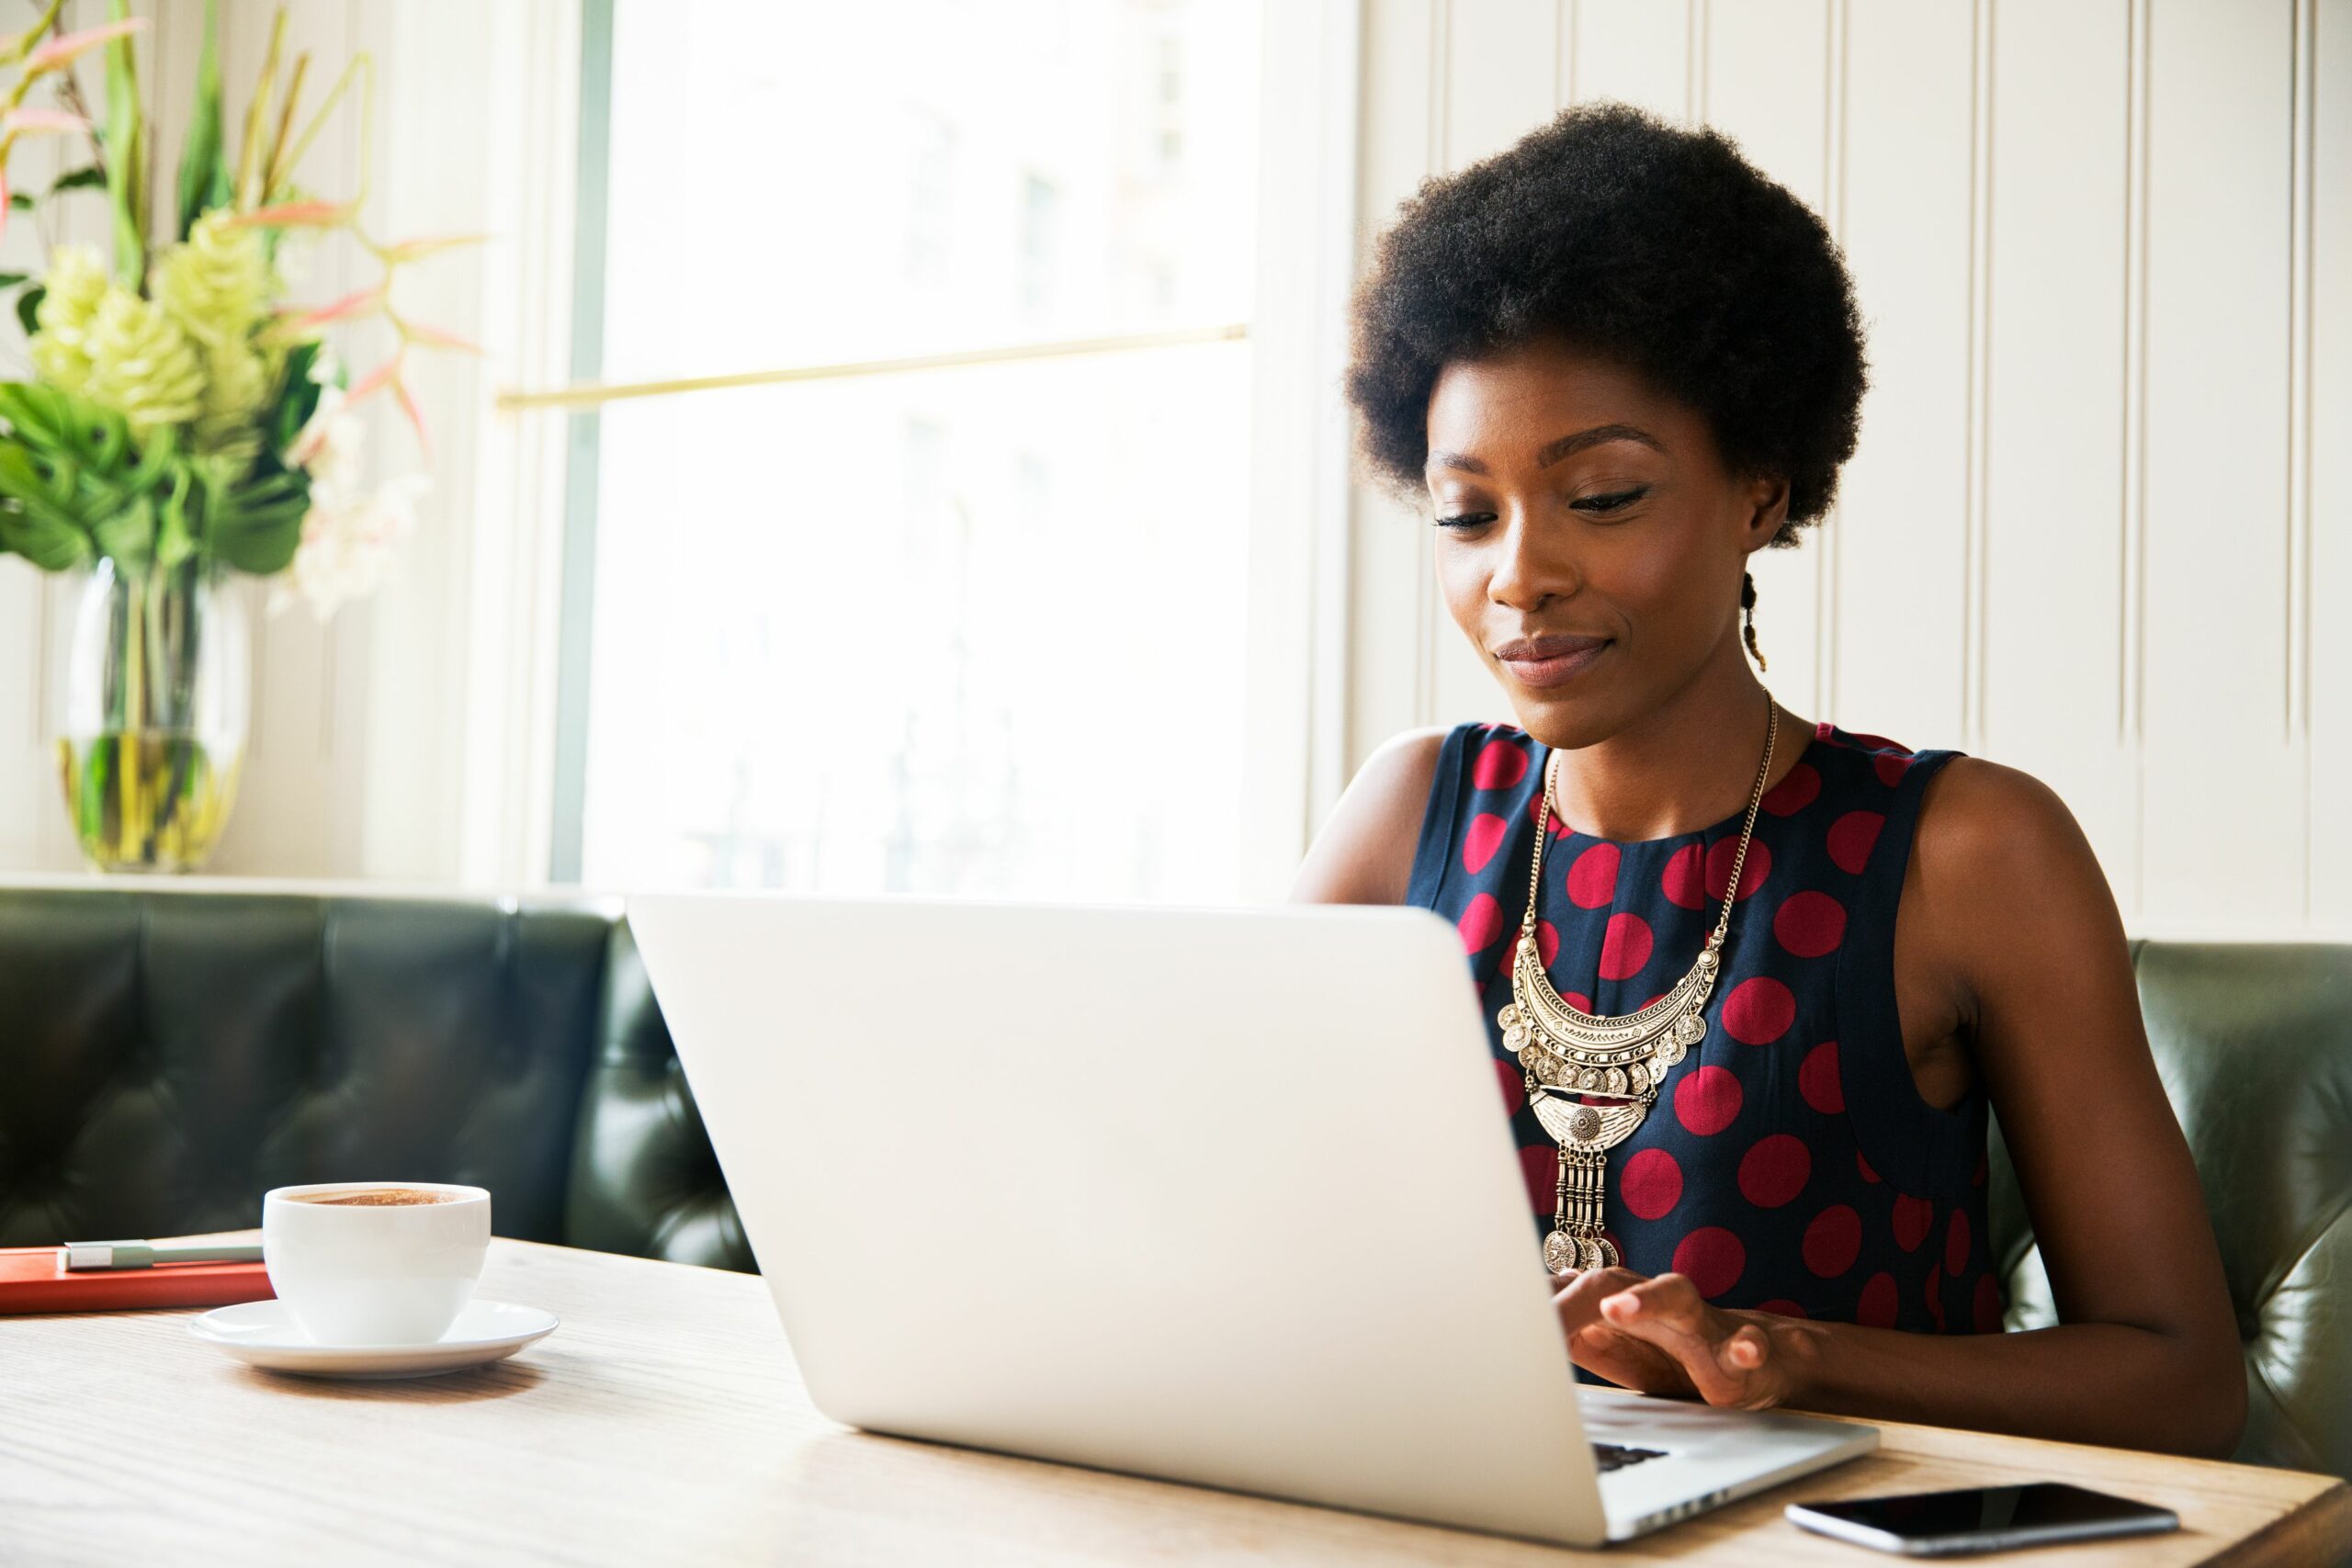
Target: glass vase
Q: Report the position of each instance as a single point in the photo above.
(157, 700)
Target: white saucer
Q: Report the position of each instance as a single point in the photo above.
(264, 1334)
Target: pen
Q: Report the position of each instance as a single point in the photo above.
(86, 1255)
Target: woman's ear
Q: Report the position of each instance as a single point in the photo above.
(1767, 509)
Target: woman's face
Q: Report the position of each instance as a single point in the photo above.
(1584, 513)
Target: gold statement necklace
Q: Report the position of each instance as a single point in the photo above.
(1590, 1079)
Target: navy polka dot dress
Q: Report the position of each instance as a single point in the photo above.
(1789, 1163)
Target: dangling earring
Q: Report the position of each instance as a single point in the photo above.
(1747, 606)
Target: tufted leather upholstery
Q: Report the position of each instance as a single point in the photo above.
(2255, 1045)
(167, 1057)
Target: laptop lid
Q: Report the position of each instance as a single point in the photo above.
(1222, 1195)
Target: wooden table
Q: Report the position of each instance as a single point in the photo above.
(664, 1422)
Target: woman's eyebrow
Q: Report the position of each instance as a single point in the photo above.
(1567, 446)
(1552, 452)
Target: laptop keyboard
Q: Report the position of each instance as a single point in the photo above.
(1606, 1456)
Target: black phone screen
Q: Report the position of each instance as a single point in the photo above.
(2006, 1511)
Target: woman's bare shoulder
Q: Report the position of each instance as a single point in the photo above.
(1364, 853)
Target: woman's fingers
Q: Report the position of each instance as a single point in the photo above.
(1577, 1297)
(1727, 1362)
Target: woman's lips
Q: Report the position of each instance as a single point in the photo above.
(1556, 671)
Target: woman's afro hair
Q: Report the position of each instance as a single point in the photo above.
(1658, 247)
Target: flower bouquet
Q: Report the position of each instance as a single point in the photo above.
(182, 422)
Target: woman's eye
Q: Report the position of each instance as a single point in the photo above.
(1617, 501)
(1465, 520)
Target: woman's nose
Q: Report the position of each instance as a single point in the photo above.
(1529, 567)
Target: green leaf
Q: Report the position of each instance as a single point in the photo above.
(297, 396)
(127, 143)
(18, 201)
(90, 179)
(49, 545)
(262, 543)
(29, 304)
(127, 534)
(204, 165)
(173, 541)
(10, 279)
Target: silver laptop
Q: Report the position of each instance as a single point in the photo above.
(1223, 1196)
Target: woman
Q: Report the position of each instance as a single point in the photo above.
(1614, 361)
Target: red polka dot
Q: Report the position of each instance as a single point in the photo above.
(1651, 1184)
(1540, 1163)
(1817, 1081)
(1891, 769)
(1547, 941)
(1956, 1244)
(1782, 1308)
(1500, 764)
(1577, 1000)
(1936, 1296)
(1914, 1217)
(1625, 947)
(1987, 1305)
(1833, 1241)
(1864, 1166)
(1773, 1171)
(1875, 742)
(1593, 877)
(1480, 923)
(1682, 883)
(1876, 1307)
(1514, 1081)
(1645, 1005)
(1712, 1258)
(1851, 837)
(1481, 840)
(1706, 1100)
(1810, 924)
(1759, 1011)
(1752, 872)
(1794, 792)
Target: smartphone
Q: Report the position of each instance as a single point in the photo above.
(1985, 1519)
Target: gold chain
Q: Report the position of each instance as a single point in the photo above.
(1574, 1059)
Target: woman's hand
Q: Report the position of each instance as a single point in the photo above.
(1660, 1336)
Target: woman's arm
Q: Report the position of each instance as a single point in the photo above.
(1364, 853)
(2004, 904)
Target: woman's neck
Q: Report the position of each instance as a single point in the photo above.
(1688, 764)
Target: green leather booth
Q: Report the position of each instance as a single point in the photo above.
(167, 1055)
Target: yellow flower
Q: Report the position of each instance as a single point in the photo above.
(75, 284)
(142, 365)
(215, 283)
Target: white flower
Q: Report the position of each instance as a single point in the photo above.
(347, 544)
(328, 450)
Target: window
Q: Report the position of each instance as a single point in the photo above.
(969, 630)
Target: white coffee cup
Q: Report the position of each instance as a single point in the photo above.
(366, 1274)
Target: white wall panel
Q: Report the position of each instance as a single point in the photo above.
(1763, 82)
(1905, 214)
(1391, 627)
(1640, 51)
(2326, 449)
(1501, 65)
(2223, 833)
(2055, 451)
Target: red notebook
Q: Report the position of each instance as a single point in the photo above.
(35, 1279)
